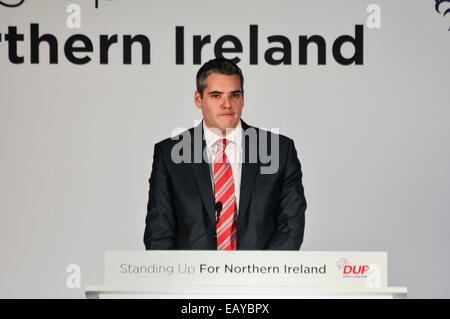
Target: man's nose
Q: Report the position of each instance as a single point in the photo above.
(226, 102)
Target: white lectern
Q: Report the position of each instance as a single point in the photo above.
(245, 275)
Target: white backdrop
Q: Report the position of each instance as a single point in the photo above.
(77, 140)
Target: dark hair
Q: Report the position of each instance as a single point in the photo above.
(218, 65)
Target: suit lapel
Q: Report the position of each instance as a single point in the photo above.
(201, 170)
(250, 167)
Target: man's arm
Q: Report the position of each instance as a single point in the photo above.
(160, 222)
(290, 219)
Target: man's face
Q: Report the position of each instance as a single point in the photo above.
(222, 101)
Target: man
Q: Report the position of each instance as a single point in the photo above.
(218, 190)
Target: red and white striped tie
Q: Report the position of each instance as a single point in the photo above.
(224, 193)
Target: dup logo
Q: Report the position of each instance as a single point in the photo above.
(371, 273)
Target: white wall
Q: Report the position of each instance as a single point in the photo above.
(76, 141)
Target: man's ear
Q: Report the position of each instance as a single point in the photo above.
(198, 99)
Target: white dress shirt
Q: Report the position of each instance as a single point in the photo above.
(233, 151)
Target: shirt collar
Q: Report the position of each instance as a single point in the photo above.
(235, 136)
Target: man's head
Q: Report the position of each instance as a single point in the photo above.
(220, 94)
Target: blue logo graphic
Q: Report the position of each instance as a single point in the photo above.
(12, 5)
(17, 3)
(438, 10)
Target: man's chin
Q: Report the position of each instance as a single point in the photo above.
(229, 127)
(228, 122)
(223, 125)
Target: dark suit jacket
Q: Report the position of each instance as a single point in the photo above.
(180, 210)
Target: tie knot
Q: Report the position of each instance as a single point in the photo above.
(222, 143)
